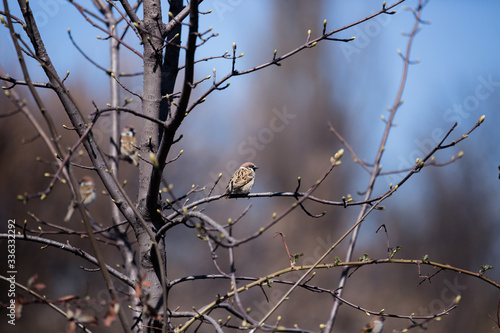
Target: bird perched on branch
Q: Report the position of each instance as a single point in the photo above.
(376, 325)
(128, 149)
(242, 180)
(87, 192)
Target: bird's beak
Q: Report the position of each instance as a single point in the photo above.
(255, 167)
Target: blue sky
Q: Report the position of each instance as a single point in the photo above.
(456, 79)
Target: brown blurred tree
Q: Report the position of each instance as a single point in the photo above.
(158, 209)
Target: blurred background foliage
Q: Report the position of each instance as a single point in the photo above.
(450, 213)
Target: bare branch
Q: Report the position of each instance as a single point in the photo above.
(375, 169)
(83, 12)
(44, 300)
(77, 251)
(23, 83)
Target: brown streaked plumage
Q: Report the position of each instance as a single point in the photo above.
(376, 325)
(87, 192)
(242, 180)
(128, 148)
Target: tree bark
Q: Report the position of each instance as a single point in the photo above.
(150, 267)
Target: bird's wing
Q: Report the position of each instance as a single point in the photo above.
(240, 178)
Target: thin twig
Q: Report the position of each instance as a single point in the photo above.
(83, 12)
(276, 60)
(44, 300)
(75, 250)
(374, 172)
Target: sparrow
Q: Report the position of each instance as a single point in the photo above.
(374, 326)
(242, 180)
(128, 148)
(87, 192)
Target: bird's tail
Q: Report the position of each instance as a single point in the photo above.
(70, 212)
(135, 159)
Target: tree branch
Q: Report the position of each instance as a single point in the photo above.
(44, 300)
(374, 171)
(76, 251)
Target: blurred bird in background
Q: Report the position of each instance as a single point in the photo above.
(87, 192)
(376, 325)
(128, 149)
